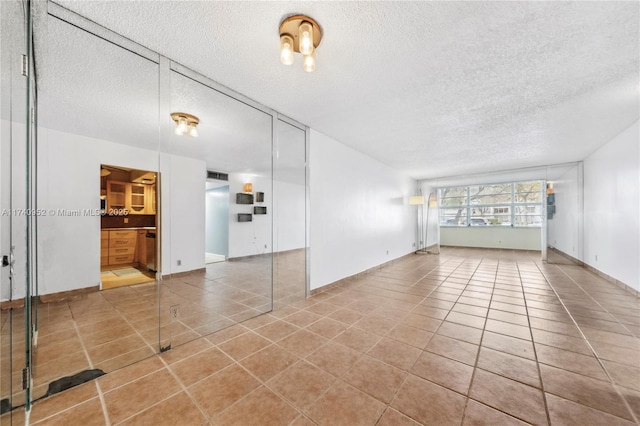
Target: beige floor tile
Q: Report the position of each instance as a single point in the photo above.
(392, 417)
(244, 345)
(260, 407)
(176, 410)
(510, 366)
(517, 399)
(345, 405)
(217, 392)
(477, 414)
(398, 354)
(302, 343)
(334, 358)
(87, 413)
(375, 378)
(584, 390)
(200, 366)
(127, 400)
(268, 362)
(327, 328)
(445, 372)
(63, 401)
(565, 412)
(444, 406)
(452, 348)
(276, 330)
(301, 384)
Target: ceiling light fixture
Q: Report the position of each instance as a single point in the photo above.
(300, 34)
(185, 124)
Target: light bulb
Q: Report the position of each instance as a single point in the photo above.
(309, 62)
(182, 126)
(193, 132)
(306, 38)
(286, 49)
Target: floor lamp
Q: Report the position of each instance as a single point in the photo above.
(418, 200)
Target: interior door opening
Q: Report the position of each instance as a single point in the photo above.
(128, 226)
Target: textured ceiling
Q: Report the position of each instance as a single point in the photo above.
(431, 88)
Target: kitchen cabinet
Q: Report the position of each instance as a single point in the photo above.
(135, 198)
(122, 246)
(104, 248)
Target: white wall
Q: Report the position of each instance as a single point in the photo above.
(491, 237)
(360, 216)
(249, 238)
(183, 213)
(289, 211)
(68, 178)
(565, 228)
(612, 208)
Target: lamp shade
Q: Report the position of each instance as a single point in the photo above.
(416, 200)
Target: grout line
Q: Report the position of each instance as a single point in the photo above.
(584, 337)
(103, 403)
(535, 351)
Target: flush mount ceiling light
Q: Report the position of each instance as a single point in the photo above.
(185, 124)
(300, 34)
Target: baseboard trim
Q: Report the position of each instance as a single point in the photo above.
(599, 273)
(343, 281)
(184, 274)
(66, 296)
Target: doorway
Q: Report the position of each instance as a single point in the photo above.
(216, 221)
(128, 226)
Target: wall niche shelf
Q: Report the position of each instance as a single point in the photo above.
(259, 197)
(259, 210)
(244, 198)
(245, 217)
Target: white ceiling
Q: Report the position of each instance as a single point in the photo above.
(431, 88)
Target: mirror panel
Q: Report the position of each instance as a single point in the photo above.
(202, 293)
(290, 189)
(98, 128)
(13, 221)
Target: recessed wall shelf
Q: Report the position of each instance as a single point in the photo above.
(245, 217)
(244, 198)
(259, 197)
(259, 210)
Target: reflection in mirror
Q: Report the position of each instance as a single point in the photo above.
(199, 293)
(13, 111)
(564, 211)
(289, 182)
(98, 125)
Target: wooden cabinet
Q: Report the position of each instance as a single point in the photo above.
(122, 246)
(116, 195)
(136, 198)
(104, 248)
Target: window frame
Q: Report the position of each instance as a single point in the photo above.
(512, 206)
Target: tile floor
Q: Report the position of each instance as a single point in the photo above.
(114, 328)
(468, 337)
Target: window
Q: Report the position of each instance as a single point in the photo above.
(505, 204)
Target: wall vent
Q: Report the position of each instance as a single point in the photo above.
(217, 175)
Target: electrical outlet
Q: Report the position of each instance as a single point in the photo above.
(179, 262)
(387, 252)
(596, 257)
(174, 311)
(414, 244)
(265, 246)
